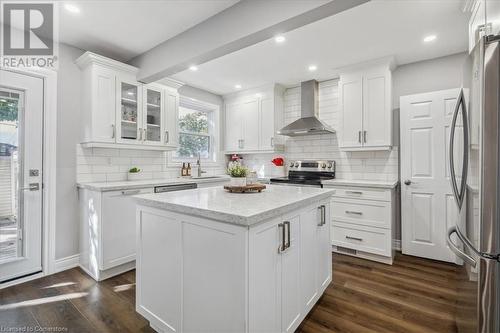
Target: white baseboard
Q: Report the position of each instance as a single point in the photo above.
(67, 263)
(396, 244)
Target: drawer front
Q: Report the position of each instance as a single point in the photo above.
(362, 193)
(365, 212)
(372, 240)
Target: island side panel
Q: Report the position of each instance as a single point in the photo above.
(194, 278)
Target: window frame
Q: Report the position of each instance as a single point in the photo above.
(213, 116)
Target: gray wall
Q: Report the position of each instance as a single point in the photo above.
(200, 95)
(429, 75)
(68, 134)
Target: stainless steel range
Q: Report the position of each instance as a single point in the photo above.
(307, 173)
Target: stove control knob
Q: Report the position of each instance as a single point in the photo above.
(291, 164)
(330, 165)
(296, 164)
(323, 165)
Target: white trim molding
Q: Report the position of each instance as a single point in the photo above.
(67, 263)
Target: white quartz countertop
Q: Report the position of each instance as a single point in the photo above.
(132, 184)
(245, 209)
(361, 183)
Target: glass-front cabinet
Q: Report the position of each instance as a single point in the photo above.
(154, 113)
(129, 118)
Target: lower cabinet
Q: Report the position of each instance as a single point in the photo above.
(107, 231)
(199, 275)
(285, 284)
(362, 222)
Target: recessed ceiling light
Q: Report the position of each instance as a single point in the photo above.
(312, 68)
(238, 86)
(72, 8)
(430, 38)
(279, 39)
(193, 68)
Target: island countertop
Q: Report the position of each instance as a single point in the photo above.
(245, 209)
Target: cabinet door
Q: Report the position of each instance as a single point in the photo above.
(377, 113)
(265, 278)
(118, 227)
(233, 135)
(324, 268)
(309, 220)
(291, 284)
(154, 112)
(266, 120)
(351, 106)
(171, 134)
(493, 16)
(477, 23)
(250, 119)
(129, 113)
(103, 105)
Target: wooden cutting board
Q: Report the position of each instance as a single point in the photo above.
(248, 188)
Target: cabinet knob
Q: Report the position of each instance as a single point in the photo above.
(407, 182)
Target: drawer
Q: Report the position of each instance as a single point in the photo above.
(362, 193)
(372, 240)
(366, 212)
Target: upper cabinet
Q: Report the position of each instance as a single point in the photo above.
(119, 112)
(484, 19)
(366, 108)
(252, 118)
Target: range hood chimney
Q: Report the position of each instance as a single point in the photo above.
(308, 123)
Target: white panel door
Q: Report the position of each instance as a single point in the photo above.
(291, 267)
(233, 133)
(351, 104)
(426, 189)
(309, 220)
(377, 116)
(21, 126)
(266, 124)
(103, 104)
(250, 119)
(264, 290)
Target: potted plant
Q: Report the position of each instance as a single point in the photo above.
(134, 173)
(238, 175)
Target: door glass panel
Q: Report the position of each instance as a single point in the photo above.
(153, 115)
(10, 217)
(129, 111)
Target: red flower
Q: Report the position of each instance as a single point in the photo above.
(278, 161)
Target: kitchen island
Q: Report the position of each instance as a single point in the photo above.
(213, 261)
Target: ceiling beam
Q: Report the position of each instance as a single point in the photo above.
(246, 23)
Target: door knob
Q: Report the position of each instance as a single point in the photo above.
(407, 182)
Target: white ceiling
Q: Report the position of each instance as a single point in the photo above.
(373, 30)
(124, 29)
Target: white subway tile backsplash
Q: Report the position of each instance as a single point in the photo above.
(379, 165)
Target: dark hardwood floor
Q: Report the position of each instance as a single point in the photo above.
(413, 295)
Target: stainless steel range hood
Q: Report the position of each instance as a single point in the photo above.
(308, 123)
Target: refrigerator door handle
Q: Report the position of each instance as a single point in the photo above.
(462, 255)
(459, 194)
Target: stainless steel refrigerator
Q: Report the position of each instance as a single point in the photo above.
(474, 164)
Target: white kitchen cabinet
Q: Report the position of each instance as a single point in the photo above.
(119, 112)
(484, 19)
(252, 119)
(107, 231)
(366, 108)
(264, 282)
(362, 222)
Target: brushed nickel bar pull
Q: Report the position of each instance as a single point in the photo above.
(321, 216)
(354, 192)
(364, 136)
(113, 131)
(353, 212)
(287, 226)
(354, 238)
(359, 136)
(281, 247)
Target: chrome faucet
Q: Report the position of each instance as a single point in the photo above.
(198, 163)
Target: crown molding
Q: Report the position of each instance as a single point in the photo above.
(89, 58)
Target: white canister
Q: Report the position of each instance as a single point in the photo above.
(134, 176)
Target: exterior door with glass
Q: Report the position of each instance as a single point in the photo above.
(21, 128)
